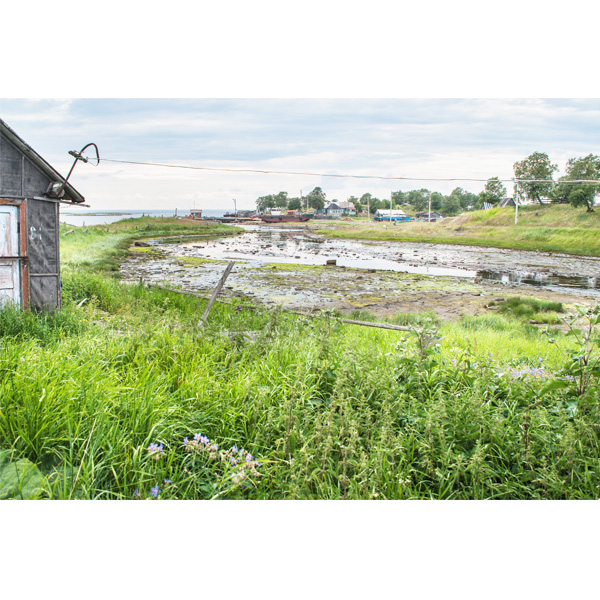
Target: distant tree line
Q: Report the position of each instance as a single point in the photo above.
(537, 184)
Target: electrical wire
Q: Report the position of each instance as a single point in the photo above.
(308, 174)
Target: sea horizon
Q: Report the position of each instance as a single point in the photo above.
(80, 217)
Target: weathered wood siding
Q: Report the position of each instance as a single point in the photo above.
(20, 178)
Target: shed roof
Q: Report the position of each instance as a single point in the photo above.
(70, 193)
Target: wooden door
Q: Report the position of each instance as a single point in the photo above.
(10, 288)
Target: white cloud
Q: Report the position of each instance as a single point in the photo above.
(426, 138)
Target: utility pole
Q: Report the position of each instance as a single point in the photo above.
(429, 215)
(391, 201)
(516, 201)
(234, 207)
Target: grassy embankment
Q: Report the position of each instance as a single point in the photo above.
(96, 401)
(559, 228)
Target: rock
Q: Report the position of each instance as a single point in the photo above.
(141, 244)
(331, 262)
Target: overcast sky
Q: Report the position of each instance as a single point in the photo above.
(420, 138)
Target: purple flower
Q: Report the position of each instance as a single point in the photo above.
(197, 437)
(185, 441)
(248, 457)
(155, 491)
(167, 481)
(156, 449)
(234, 448)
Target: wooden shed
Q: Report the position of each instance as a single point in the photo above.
(30, 194)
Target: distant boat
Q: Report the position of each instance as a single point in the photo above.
(284, 218)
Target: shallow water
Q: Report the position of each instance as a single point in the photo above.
(262, 244)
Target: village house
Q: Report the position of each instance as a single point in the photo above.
(339, 209)
(31, 191)
(431, 217)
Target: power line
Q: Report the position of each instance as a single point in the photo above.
(308, 174)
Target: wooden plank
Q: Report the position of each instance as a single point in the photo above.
(216, 293)
(378, 325)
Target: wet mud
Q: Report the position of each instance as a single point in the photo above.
(288, 267)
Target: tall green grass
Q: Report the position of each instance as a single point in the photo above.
(122, 395)
(558, 228)
(328, 410)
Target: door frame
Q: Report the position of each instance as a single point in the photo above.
(22, 244)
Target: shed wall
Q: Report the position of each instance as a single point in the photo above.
(19, 177)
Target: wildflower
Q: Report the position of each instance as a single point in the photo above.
(155, 491)
(167, 481)
(453, 362)
(475, 365)
(155, 450)
(197, 437)
(136, 494)
(248, 457)
(234, 449)
(185, 441)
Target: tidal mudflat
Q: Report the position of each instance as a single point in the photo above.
(288, 267)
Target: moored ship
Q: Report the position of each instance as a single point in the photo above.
(284, 218)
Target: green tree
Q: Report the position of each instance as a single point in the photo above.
(316, 198)
(537, 171)
(493, 191)
(580, 194)
(467, 200)
(399, 198)
(418, 198)
(265, 202)
(375, 204)
(294, 204)
(365, 199)
(436, 201)
(282, 199)
(451, 206)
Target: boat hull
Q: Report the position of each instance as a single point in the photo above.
(285, 218)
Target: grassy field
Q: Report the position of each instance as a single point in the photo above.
(558, 228)
(122, 395)
(101, 247)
